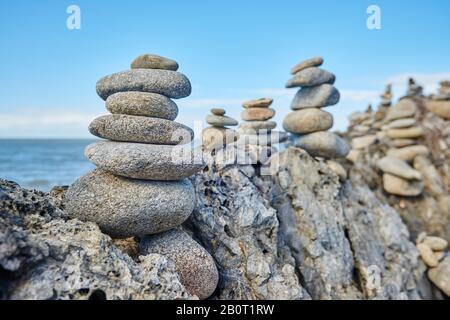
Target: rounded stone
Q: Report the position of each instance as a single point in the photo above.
(440, 108)
(272, 137)
(402, 123)
(255, 127)
(146, 104)
(316, 97)
(398, 168)
(405, 108)
(218, 111)
(145, 161)
(119, 127)
(440, 275)
(427, 255)
(195, 266)
(400, 143)
(312, 62)
(215, 137)
(257, 114)
(125, 208)
(364, 142)
(401, 187)
(311, 77)
(221, 121)
(436, 243)
(307, 121)
(408, 153)
(322, 144)
(168, 83)
(153, 61)
(258, 103)
(405, 133)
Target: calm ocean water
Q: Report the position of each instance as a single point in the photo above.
(43, 164)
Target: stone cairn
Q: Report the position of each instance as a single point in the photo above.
(256, 131)
(386, 96)
(218, 135)
(308, 123)
(414, 90)
(402, 133)
(138, 189)
(439, 103)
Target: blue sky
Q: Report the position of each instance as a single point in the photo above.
(230, 50)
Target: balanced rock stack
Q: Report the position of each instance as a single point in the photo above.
(432, 250)
(414, 90)
(386, 96)
(140, 187)
(308, 122)
(402, 130)
(439, 104)
(218, 135)
(257, 128)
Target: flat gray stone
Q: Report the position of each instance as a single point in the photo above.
(398, 168)
(322, 144)
(312, 62)
(307, 121)
(153, 61)
(145, 161)
(311, 77)
(125, 207)
(316, 97)
(221, 121)
(197, 269)
(168, 83)
(146, 104)
(119, 127)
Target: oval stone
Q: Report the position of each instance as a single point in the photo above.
(322, 144)
(195, 266)
(402, 123)
(408, 153)
(440, 108)
(153, 61)
(255, 127)
(257, 114)
(125, 207)
(168, 83)
(220, 121)
(313, 62)
(119, 127)
(405, 108)
(307, 121)
(405, 133)
(218, 111)
(398, 168)
(401, 187)
(258, 103)
(316, 97)
(311, 77)
(145, 161)
(215, 137)
(146, 104)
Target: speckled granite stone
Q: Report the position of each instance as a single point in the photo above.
(220, 121)
(145, 161)
(153, 61)
(197, 269)
(119, 127)
(316, 97)
(321, 144)
(307, 121)
(311, 77)
(313, 62)
(142, 104)
(125, 207)
(168, 83)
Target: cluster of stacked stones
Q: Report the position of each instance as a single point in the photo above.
(432, 250)
(137, 189)
(218, 135)
(308, 123)
(439, 103)
(402, 132)
(414, 89)
(257, 128)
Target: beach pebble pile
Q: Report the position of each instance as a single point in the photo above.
(403, 132)
(218, 135)
(140, 187)
(432, 250)
(308, 123)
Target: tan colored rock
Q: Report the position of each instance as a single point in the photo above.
(439, 255)
(307, 121)
(258, 103)
(257, 114)
(402, 123)
(401, 187)
(405, 108)
(427, 255)
(440, 276)
(436, 243)
(398, 168)
(216, 137)
(400, 143)
(421, 237)
(363, 142)
(440, 108)
(313, 62)
(353, 155)
(408, 133)
(408, 153)
(338, 169)
(218, 111)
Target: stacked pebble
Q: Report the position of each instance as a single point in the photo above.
(138, 189)
(257, 128)
(414, 90)
(386, 96)
(401, 128)
(439, 104)
(308, 123)
(432, 250)
(218, 135)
